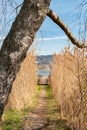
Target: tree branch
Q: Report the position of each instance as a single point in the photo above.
(65, 28)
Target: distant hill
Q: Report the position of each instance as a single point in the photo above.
(44, 64)
(45, 60)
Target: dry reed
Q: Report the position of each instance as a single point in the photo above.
(24, 86)
(69, 86)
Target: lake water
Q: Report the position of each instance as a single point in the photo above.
(43, 72)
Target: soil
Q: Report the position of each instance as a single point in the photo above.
(37, 119)
(42, 117)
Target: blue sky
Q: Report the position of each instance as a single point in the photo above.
(50, 38)
(53, 38)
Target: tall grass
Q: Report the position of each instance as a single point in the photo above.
(24, 86)
(69, 86)
(22, 97)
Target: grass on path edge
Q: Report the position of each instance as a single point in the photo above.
(13, 119)
(54, 116)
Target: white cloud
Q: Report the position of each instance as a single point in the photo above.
(2, 38)
(51, 38)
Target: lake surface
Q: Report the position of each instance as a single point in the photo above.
(43, 72)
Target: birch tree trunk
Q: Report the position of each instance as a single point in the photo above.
(17, 42)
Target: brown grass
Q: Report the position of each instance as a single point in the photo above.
(24, 86)
(69, 86)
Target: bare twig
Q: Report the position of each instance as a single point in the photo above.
(65, 28)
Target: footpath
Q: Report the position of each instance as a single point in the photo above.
(37, 118)
(45, 115)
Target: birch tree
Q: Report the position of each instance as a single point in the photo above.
(20, 38)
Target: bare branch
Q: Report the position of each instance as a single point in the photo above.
(65, 28)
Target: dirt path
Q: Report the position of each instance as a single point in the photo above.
(37, 119)
(45, 116)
